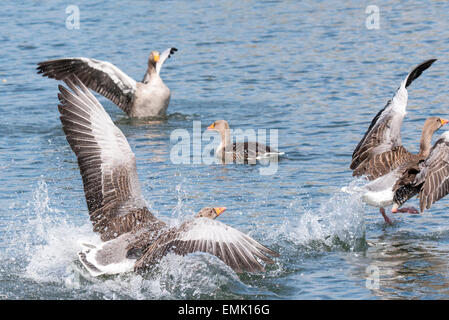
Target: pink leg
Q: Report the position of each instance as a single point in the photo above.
(406, 210)
(387, 220)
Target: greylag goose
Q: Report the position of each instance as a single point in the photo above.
(429, 178)
(381, 191)
(148, 98)
(133, 238)
(239, 152)
(380, 151)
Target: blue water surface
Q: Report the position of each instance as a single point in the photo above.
(312, 70)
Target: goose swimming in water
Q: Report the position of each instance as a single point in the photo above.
(380, 152)
(148, 98)
(133, 238)
(239, 152)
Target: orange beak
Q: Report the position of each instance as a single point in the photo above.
(156, 57)
(211, 127)
(444, 121)
(219, 210)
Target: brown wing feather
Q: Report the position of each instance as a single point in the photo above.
(373, 136)
(377, 147)
(236, 250)
(405, 187)
(100, 76)
(107, 164)
(435, 175)
(381, 164)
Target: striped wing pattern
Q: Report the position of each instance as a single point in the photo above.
(100, 76)
(233, 247)
(383, 136)
(381, 164)
(434, 175)
(245, 152)
(106, 161)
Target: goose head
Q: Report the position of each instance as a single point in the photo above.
(210, 213)
(432, 124)
(219, 125)
(154, 58)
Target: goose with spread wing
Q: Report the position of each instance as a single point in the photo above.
(380, 151)
(148, 98)
(381, 191)
(133, 238)
(240, 152)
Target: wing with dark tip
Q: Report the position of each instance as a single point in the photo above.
(434, 175)
(164, 56)
(384, 134)
(418, 71)
(106, 161)
(100, 76)
(233, 247)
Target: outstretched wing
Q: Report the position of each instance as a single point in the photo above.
(380, 149)
(164, 56)
(434, 175)
(106, 161)
(233, 247)
(100, 76)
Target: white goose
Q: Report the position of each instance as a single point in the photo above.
(148, 98)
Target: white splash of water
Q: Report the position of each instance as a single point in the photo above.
(338, 221)
(194, 275)
(179, 213)
(175, 277)
(53, 242)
